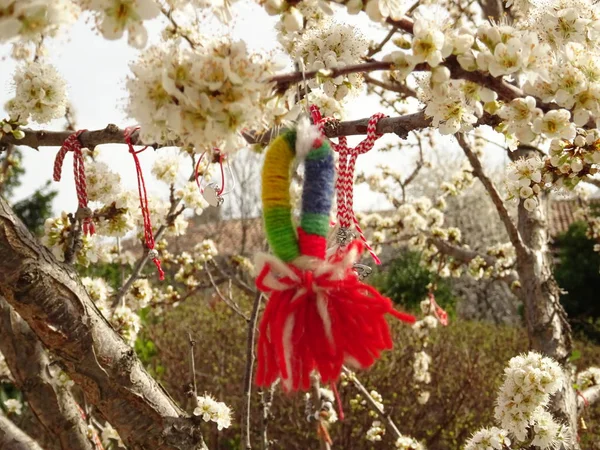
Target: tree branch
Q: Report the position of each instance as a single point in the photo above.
(509, 225)
(50, 298)
(28, 362)
(372, 403)
(588, 397)
(246, 443)
(13, 438)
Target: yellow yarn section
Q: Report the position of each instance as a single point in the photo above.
(276, 174)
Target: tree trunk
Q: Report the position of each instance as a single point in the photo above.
(52, 403)
(49, 297)
(547, 327)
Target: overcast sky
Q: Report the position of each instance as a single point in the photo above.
(95, 70)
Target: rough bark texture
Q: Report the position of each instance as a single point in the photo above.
(546, 321)
(53, 404)
(49, 297)
(12, 438)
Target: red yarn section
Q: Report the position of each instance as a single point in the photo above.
(72, 144)
(294, 339)
(344, 185)
(312, 244)
(148, 236)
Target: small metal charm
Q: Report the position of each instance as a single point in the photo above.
(344, 236)
(152, 253)
(211, 195)
(362, 270)
(83, 212)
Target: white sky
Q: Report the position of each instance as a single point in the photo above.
(95, 70)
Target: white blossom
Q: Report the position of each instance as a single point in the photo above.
(115, 17)
(211, 410)
(13, 406)
(40, 93)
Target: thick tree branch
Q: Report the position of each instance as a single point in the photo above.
(13, 438)
(50, 298)
(509, 224)
(592, 181)
(28, 362)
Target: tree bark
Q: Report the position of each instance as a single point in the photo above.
(52, 403)
(12, 438)
(546, 321)
(49, 297)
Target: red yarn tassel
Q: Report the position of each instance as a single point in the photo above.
(148, 235)
(320, 320)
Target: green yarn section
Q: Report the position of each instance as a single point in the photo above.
(290, 137)
(319, 153)
(317, 224)
(280, 233)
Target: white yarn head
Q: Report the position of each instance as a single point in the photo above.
(306, 134)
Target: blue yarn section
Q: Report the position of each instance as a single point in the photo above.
(317, 194)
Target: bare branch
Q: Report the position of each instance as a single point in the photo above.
(592, 181)
(509, 225)
(372, 403)
(52, 403)
(324, 440)
(50, 298)
(391, 86)
(227, 300)
(13, 438)
(248, 374)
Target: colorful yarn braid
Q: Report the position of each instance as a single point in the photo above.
(319, 315)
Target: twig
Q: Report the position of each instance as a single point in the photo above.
(316, 385)
(137, 270)
(266, 408)
(394, 87)
(509, 225)
(374, 50)
(177, 29)
(371, 401)
(248, 374)
(193, 386)
(228, 301)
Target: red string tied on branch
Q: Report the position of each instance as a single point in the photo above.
(148, 235)
(313, 318)
(344, 185)
(73, 144)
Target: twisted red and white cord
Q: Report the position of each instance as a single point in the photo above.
(148, 235)
(72, 144)
(344, 185)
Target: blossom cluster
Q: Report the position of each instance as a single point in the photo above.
(567, 164)
(199, 97)
(57, 232)
(376, 432)
(124, 317)
(213, 411)
(529, 381)
(328, 47)
(588, 378)
(40, 94)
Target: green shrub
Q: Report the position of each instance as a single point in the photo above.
(578, 273)
(405, 281)
(467, 367)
